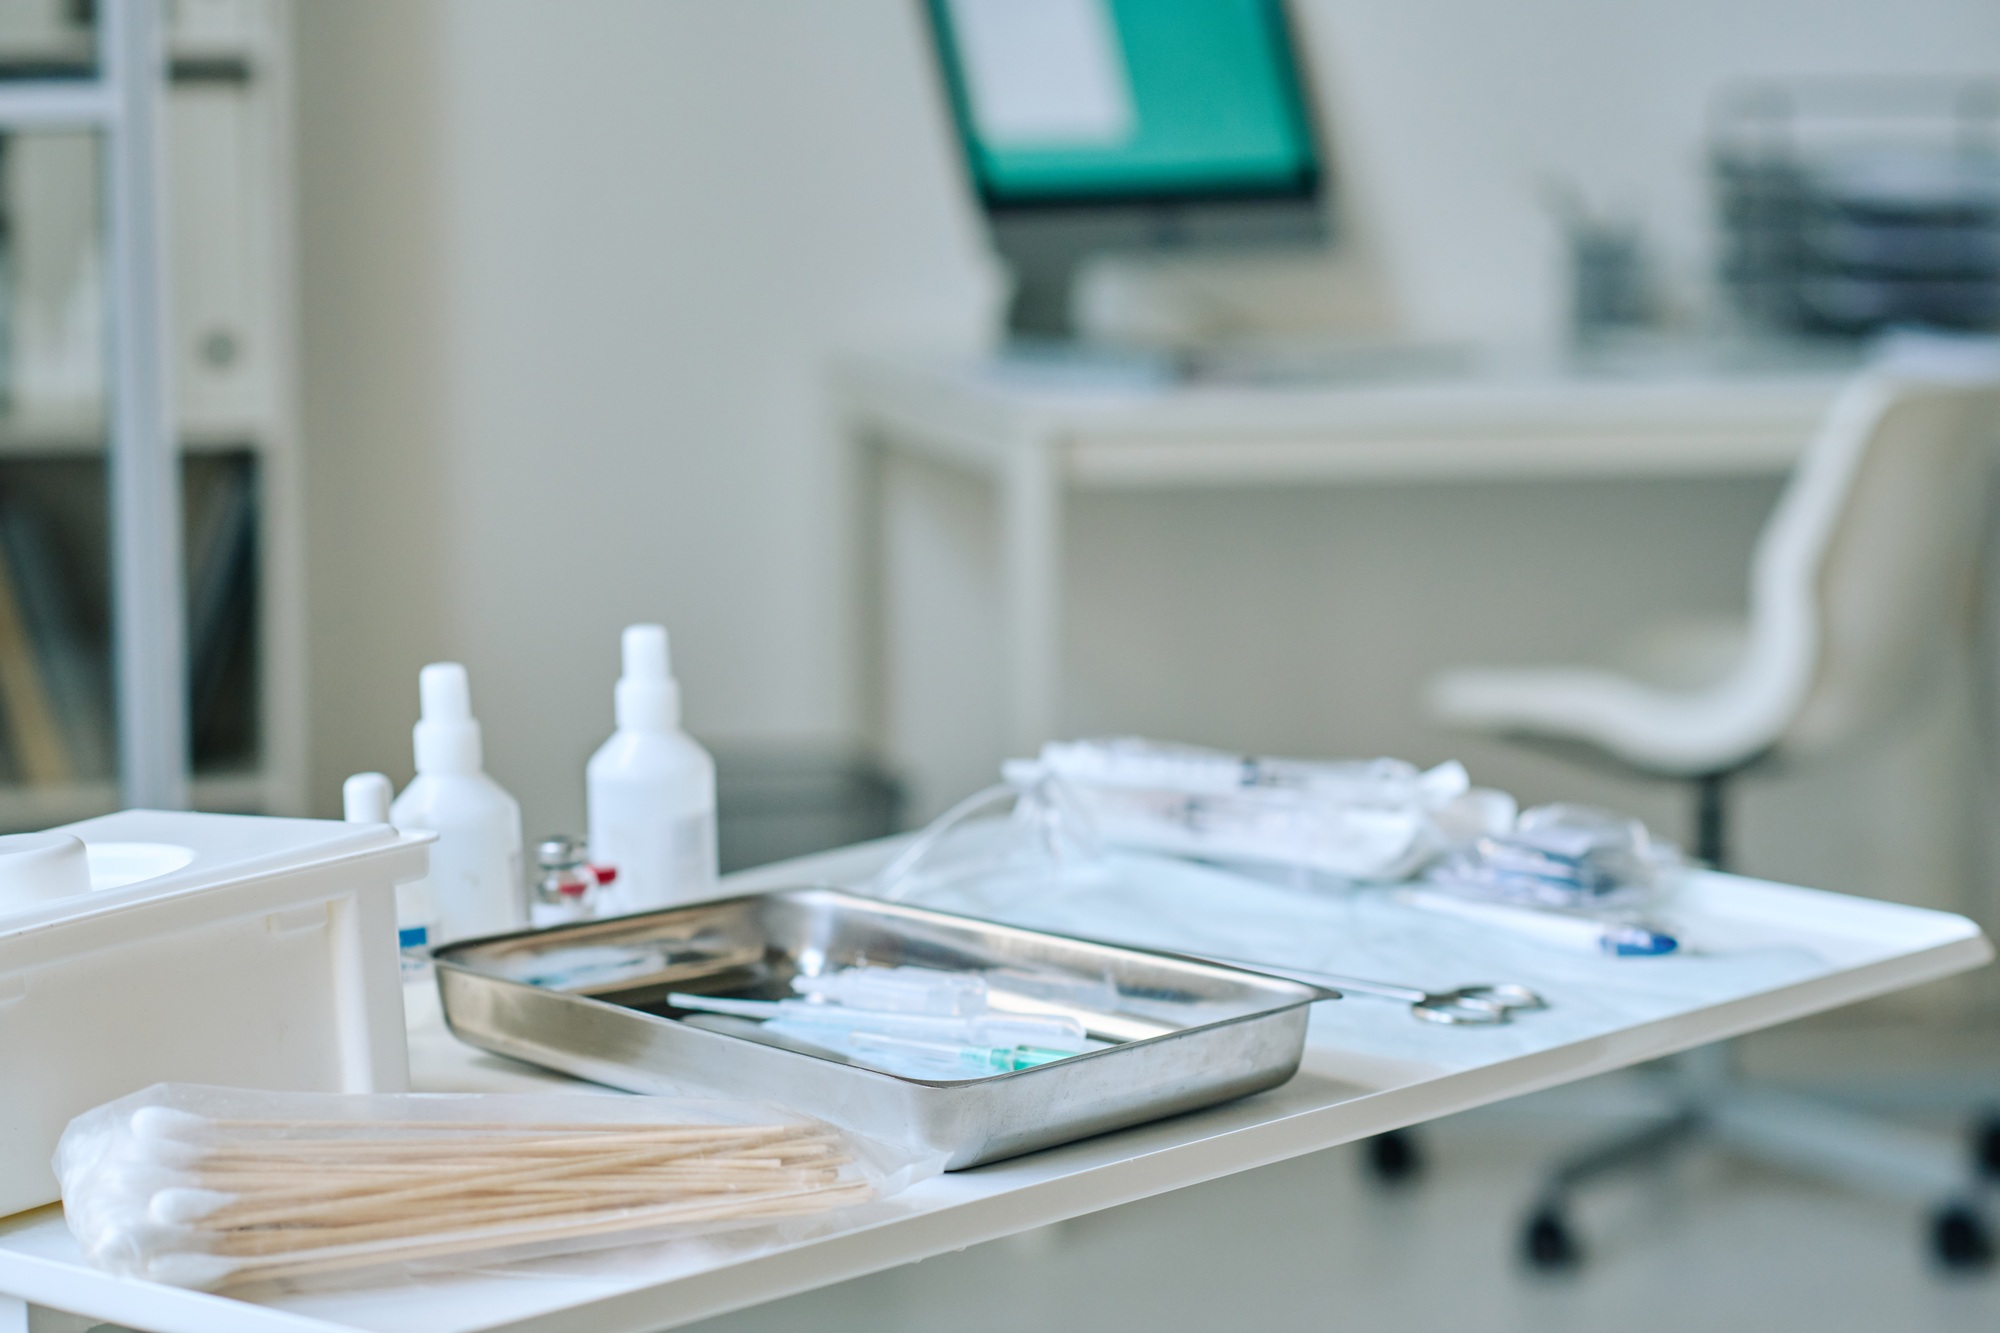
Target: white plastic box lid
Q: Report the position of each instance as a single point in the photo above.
(155, 945)
(140, 856)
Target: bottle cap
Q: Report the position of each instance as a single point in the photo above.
(365, 797)
(647, 698)
(447, 737)
(560, 852)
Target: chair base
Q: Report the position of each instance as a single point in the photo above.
(1395, 1157)
(1781, 1129)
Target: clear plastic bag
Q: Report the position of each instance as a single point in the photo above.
(1573, 857)
(212, 1188)
(1045, 838)
(1361, 821)
(1294, 822)
(1373, 820)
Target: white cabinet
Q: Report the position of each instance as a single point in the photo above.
(229, 349)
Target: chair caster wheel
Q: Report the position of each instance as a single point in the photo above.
(1548, 1244)
(1960, 1238)
(1986, 1147)
(1394, 1158)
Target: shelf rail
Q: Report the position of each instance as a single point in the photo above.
(125, 103)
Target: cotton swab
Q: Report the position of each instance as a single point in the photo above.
(332, 1259)
(257, 1199)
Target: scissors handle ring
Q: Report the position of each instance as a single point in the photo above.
(1455, 1010)
(1507, 995)
(1477, 1006)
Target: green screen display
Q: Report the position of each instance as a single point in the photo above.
(1071, 100)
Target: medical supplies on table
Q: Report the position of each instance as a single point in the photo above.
(220, 1188)
(1367, 820)
(151, 945)
(609, 1000)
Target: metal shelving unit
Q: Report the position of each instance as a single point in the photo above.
(175, 416)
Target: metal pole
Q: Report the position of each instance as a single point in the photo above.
(52, 104)
(147, 598)
(1711, 820)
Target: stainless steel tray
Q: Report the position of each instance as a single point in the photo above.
(1188, 1034)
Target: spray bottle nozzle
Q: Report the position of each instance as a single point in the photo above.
(647, 698)
(447, 737)
(645, 653)
(444, 692)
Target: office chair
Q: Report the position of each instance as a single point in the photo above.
(1862, 577)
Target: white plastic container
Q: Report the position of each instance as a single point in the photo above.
(226, 949)
(650, 789)
(475, 885)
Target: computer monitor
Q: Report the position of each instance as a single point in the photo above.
(1100, 125)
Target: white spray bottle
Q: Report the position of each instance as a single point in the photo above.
(365, 799)
(650, 788)
(475, 884)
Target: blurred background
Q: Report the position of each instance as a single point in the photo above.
(574, 281)
(500, 324)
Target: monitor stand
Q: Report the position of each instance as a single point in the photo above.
(1046, 253)
(1045, 248)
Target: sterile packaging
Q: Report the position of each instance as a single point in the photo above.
(221, 948)
(905, 989)
(1046, 837)
(1572, 857)
(1365, 820)
(214, 1188)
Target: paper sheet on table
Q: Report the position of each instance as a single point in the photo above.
(1364, 932)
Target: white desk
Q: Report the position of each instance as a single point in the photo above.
(1034, 442)
(1348, 1089)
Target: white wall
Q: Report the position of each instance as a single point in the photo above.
(375, 330)
(651, 222)
(573, 267)
(1452, 113)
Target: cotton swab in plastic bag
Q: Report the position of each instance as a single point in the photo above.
(215, 1187)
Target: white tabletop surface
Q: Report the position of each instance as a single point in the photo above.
(1760, 954)
(1495, 419)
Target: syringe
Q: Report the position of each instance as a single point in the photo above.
(1002, 1059)
(1053, 1031)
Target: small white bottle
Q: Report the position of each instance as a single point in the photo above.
(475, 883)
(650, 789)
(364, 799)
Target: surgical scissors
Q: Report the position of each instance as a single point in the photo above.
(1465, 1006)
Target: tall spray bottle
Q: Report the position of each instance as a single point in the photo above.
(365, 799)
(475, 885)
(650, 788)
